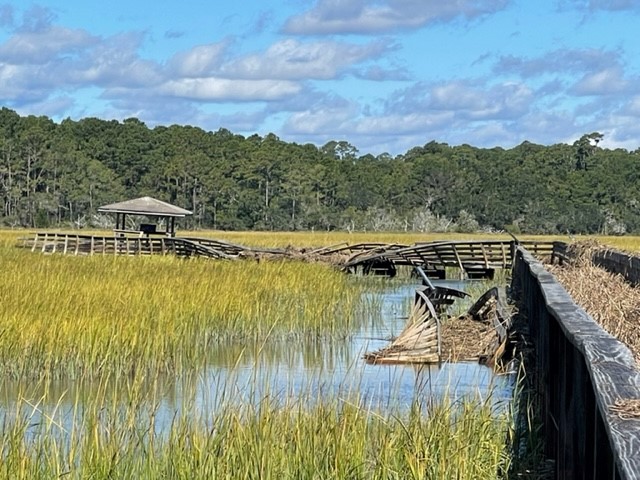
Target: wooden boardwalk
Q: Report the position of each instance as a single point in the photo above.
(381, 258)
(465, 255)
(587, 382)
(74, 244)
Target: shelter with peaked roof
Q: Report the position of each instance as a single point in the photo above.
(148, 207)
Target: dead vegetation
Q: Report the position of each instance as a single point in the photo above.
(465, 339)
(430, 336)
(612, 302)
(627, 408)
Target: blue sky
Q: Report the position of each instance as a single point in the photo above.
(384, 75)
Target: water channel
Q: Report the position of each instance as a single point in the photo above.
(309, 369)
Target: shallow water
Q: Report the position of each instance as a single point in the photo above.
(288, 370)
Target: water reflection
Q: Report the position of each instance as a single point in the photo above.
(289, 369)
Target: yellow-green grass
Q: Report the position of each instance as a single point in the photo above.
(66, 315)
(78, 316)
(298, 439)
(118, 317)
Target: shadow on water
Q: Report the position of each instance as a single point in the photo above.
(311, 369)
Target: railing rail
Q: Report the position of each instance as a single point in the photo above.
(581, 373)
(488, 254)
(75, 244)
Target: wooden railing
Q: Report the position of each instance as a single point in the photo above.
(468, 255)
(619, 263)
(73, 244)
(581, 373)
(487, 254)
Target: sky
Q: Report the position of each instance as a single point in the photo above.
(383, 75)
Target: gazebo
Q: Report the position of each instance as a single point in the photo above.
(148, 207)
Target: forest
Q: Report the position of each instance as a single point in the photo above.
(58, 174)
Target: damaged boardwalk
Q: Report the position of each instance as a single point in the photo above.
(430, 336)
(480, 258)
(476, 258)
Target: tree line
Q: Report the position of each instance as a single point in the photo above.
(58, 174)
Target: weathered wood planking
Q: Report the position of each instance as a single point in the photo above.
(581, 372)
(487, 254)
(618, 262)
(118, 245)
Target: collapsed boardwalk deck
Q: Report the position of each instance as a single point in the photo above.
(482, 256)
(471, 256)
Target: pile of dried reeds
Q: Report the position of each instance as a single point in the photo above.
(607, 298)
(466, 339)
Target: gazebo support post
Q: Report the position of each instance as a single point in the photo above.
(147, 207)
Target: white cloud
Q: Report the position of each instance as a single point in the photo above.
(320, 120)
(465, 99)
(49, 107)
(223, 89)
(360, 16)
(604, 82)
(559, 62)
(632, 106)
(200, 61)
(404, 124)
(44, 46)
(291, 59)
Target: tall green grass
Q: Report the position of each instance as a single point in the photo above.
(119, 325)
(301, 438)
(77, 316)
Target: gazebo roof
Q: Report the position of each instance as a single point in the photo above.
(145, 206)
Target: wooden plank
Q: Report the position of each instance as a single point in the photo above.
(610, 370)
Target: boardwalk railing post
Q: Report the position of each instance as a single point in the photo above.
(581, 371)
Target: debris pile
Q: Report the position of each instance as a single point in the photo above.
(430, 337)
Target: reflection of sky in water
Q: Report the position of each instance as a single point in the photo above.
(301, 369)
(336, 369)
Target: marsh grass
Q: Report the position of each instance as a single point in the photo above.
(343, 437)
(77, 316)
(122, 326)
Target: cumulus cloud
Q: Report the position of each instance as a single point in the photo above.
(632, 106)
(558, 61)
(403, 124)
(223, 89)
(37, 19)
(43, 45)
(40, 59)
(464, 99)
(378, 73)
(201, 60)
(575, 72)
(291, 59)
(49, 106)
(320, 121)
(604, 82)
(369, 17)
(115, 61)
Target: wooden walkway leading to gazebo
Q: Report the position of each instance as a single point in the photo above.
(74, 244)
(378, 258)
